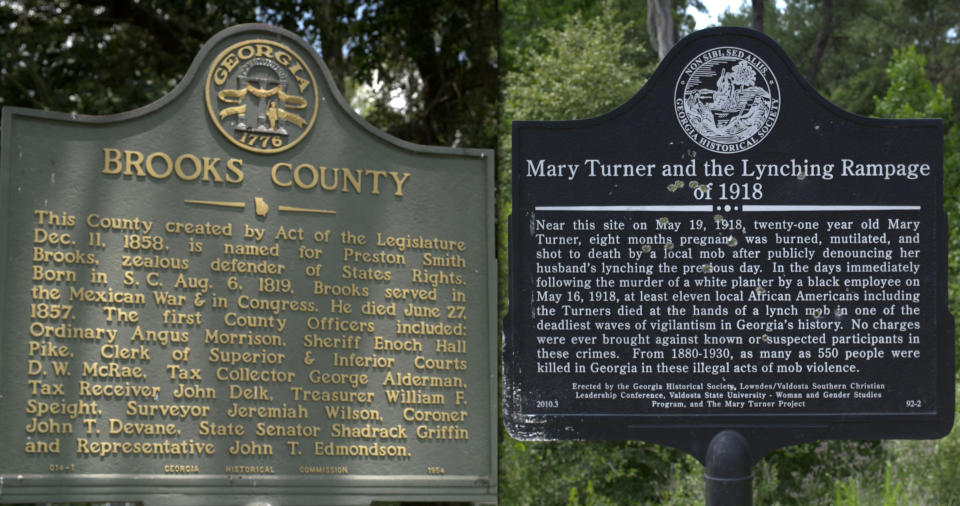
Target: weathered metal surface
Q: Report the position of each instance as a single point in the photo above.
(244, 292)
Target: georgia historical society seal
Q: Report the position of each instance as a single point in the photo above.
(727, 100)
(261, 96)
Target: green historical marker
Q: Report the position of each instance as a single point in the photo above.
(243, 293)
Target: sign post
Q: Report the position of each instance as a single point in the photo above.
(244, 294)
(728, 264)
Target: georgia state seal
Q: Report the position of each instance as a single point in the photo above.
(261, 95)
(727, 100)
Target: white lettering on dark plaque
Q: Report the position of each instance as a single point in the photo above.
(761, 309)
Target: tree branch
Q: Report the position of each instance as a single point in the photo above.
(757, 10)
(820, 44)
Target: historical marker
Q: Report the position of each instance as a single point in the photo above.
(727, 250)
(244, 293)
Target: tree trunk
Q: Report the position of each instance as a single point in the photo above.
(757, 22)
(820, 44)
(332, 36)
(663, 33)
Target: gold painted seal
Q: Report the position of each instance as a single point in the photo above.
(261, 95)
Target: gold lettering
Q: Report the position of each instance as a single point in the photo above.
(112, 370)
(264, 51)
(152, 171)
(134, 159)
(250, 448)
(35, 447)
(180, 170)
(111, 161)
(166, 447)
(436, 415)
(398, 181)
(210, 168)
(282, 412)
(245, 52)
(160, 165)
(442, 432)
(218, 429)
(223, 70)
(273, 175)
(307, 177)
(298, 430)
(348, 176)
(301, 183)
(377, 174)
(372, 450)
(282, 57)
(118, 427)
(181, 468)
(177, 411)
(323, 179)
(235, 166)
(48, 426)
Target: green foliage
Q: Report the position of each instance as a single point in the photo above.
(108, 57)
(588, 473)
(766, 484)
(686, 486)
(579, 70)
(845, 493)
(858, 38)
(851, 491)
(441, 56)
(521, 22)
(807, 474)
(100, 58)
(929, 470)
(912, 95)
(911, 472)
(590, 497)
(892, 492)
(584, 70)
(438, 56)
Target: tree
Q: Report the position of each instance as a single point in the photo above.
(579, 69)
(744, 75)
(756, 21)
(100, 57)
(442, 54)
(583, 68)
(438, 55)
(663, 33)
(328, 22)
(820, 43)
(912, 95)
(844, 47)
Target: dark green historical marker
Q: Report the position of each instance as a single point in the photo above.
(728, 251)
(244, 293)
